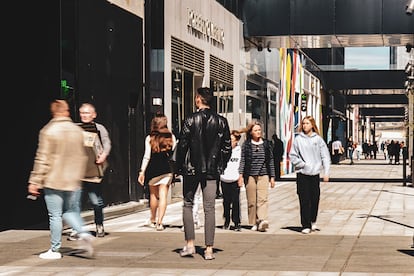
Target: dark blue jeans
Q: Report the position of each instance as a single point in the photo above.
(94, 191)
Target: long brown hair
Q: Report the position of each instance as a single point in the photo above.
(313, 123)
(160, 136)
(248, 129)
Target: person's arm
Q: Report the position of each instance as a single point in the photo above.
(41, 165)
(106, 144)
(183, 144)
(326, 160)
(240, 182)
(294, 155)
(226, 142)
(145, 161)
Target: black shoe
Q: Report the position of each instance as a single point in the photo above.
(237, 227)
(226, 225)
(219, 196)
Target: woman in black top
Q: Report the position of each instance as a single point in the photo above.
(155, 167)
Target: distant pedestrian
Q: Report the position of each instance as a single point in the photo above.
(230, 185)
(350, 147)
(365, 149)
(256, 173)
(337, 150)
(203, 150)
(59, 165)
(278, 151)
(404, 151)
(391, 151)
(309, 154)
(397, 152)
(155, 167)
(358, 150)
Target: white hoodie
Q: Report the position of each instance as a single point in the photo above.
(231, 173)
(309, 154)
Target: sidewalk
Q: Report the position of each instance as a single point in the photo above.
(366, 228)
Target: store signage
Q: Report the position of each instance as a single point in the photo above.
(204, 28)
(303, 102)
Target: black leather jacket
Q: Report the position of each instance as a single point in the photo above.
(204, 145)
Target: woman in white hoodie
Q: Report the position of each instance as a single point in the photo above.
(309, 154)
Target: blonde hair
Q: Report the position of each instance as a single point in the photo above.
(160, 135)
(313, 123)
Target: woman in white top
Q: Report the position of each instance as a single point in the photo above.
(155, 167)
(230, 186)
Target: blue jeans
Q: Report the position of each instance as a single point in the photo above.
(62, 206)
(351, 155)
(94, 191)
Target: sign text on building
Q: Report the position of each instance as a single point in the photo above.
(205, 29)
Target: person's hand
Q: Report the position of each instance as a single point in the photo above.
(240, 182)
(272, 182)
(100, 159)
(326, 178)
(141, 178)
(33, 189)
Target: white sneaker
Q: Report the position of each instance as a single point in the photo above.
(263, 225)
(254, 227)
(50, 255)
(73, 236)
(85, 243)
(306, 231)
(151, 224)
(314, 227)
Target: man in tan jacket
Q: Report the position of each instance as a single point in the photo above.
(59, 165)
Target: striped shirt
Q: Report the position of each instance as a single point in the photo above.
(257, 165)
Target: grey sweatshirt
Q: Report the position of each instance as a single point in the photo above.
(309, 154)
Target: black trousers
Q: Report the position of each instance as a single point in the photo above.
(308, 190)
(231, 201)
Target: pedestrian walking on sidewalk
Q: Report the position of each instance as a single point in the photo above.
(337, 150)
(155, 166)
(278, 151)
(93, 182)
(309, 154)
(59, 165)
(203, 150)
(230, 185)
(350, 147)
(256, 172)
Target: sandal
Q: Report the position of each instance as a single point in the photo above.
(187, 251)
